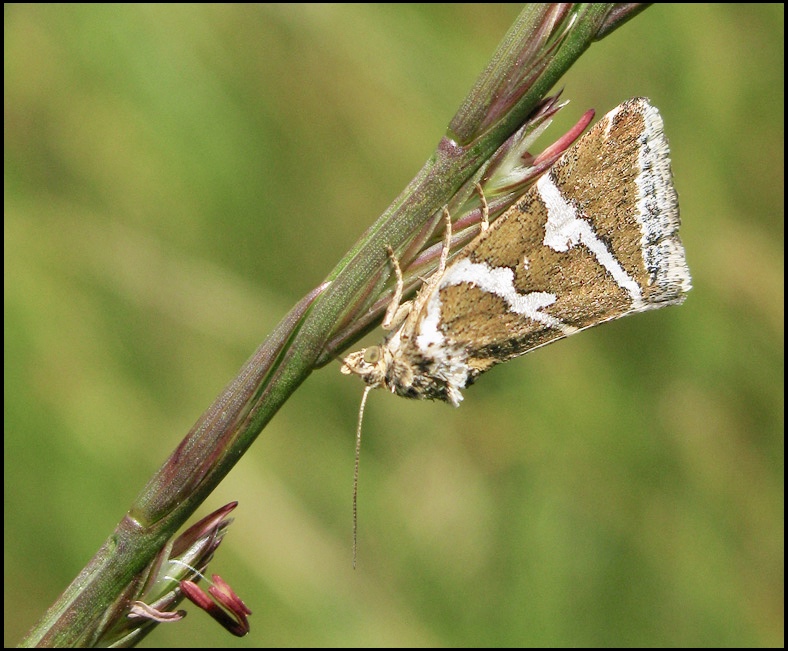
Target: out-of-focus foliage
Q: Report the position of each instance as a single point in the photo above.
(177, 176)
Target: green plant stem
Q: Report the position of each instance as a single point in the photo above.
(494, 109)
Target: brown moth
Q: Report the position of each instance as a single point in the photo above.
(594, 239)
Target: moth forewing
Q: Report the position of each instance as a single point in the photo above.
(594, 239)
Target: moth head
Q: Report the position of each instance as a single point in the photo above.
(368, 363)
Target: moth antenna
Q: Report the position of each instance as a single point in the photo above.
(355, 471)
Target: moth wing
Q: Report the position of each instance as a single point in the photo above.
(594, 239)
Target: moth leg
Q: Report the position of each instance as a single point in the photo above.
(485, 222)
(395, 313)
(446, 245)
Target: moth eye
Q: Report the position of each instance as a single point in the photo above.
(372, 355)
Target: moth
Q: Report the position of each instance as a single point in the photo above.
(594, 239)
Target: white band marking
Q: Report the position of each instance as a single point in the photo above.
(564, 230)
(498, 281)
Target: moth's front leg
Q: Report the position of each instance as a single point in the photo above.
(396, 313)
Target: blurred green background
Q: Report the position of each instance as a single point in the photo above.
(177, 176)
